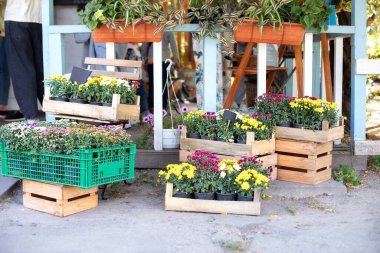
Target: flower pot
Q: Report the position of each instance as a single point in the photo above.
(220, 139)
(52, 98)
(182, 195)
(241, 197)
(170, 138)
(284, 124)
(226, 197)
(193, 135)
(61, 99)
(296, 125)
(78, 100)
(241, 141)
(141, 32)
(204, 195)
(204, 137)
(289, 34)
(96, 103)
(107, 104)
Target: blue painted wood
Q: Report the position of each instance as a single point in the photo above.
(358, 82)
(317, 69)
(47, 20)
(289, 84)
(209, 65)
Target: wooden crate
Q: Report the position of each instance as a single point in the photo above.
(116, 112)
(267, 160)
(251, 148)
(211, 206)
(58, 200)
(325, 135)
(303, 161)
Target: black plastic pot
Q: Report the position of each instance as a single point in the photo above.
(284, 124)
(77, 100)
(204, 137)
(241, 141)
(52, 98)
(226, 197)
(96, 103)
(204, 195)
(107, 104)
(182, 195)
(61, 99)
(193, 135)
(296, 125)
(220, 139)
(241, 197)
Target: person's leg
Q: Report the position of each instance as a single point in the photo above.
(165, 91)
(36, 34)
(4, 78)
(151, 89)
(142, 93)
(20, 58)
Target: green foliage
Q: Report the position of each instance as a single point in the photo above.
(310, 13)
(143, 141)
(376, 163)
(347, 176)
(111, 12)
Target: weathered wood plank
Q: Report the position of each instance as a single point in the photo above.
(302, 177)
(112, 62)
(310, 135)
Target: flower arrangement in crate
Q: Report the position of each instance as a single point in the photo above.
(213, 126)
(306, 112)
(61, 137)
(205, 176)
(96, 90)
(259, 124)
(309, 113)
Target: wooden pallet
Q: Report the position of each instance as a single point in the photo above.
(211, 206)
(58, 200)
(251, 148)
(267, 160)
(322, 136)
(115, 113)
(303, 162)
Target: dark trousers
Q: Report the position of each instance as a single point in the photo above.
(151, 88)
(142, 93)
(23, 44)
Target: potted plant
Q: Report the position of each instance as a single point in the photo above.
(253, 163)
(191, 121)
(277, 105)
(206, 175)
(226, 185)
(224, 131)
(129, 20)
(93, 90)
(181, 176)
(249, 124)
(77, 93)
(248, 180)
(208, 126)
(59, 87)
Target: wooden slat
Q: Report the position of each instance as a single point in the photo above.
(121, 75)
(296, 147)
(254, 70)
(304, 178)
(296, 162)
(79, 118)
(117, 112)
(49, 190)
(113, 62)
(310, 135)
(234, 149)
(299, 69)
(80, 205)
(326, 66)
(211, 206)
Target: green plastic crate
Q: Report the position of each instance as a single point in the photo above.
(84, 168)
